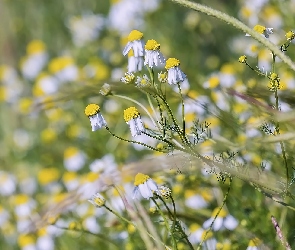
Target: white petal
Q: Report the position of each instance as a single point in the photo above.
(230, 222)
(127, 48)
(207, 223)
(218, 223)
(145, 191)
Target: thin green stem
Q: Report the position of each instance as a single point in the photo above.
(174, 243)
(182, 109)
(223, 203)
(277, 125)
(137, 142)
(239, 25)
(139, 104)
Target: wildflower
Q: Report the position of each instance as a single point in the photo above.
(290, 35)
(209, 241)
(96, 119)
(132, 118)
(142, 82)
(135, 64)
(64, 68)
(164, 192)
(135, 43)
(262, 30)
(162, 77)
(153, 56)
(145, 185)
(97, 200)
(243, 59)
(128, 78)
(105, 89)
(74, 159)
(223, 220)
(175, 75)
(254, 244)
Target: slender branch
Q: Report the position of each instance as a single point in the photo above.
(239, 25)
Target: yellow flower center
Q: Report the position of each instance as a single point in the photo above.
(135, 35)
(70, 152)
(21, 199)
(152, 45)
(259, 28)
(98, 201)
(48, 175)
(290, 35)
(213, 82)
(221, 214)
(242, 59)
(206, 236)
(91, 109)
(130, 114)
(130, 53)
(35, 46)
(254, 242)
(25, 240)
(140, 179)
(274, 76)
(172, 62)
(69, 176)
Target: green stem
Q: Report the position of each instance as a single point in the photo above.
(223, 203)
(277, 126)
(239, 25)
(182, 109)
(137, 142)
(174, 244)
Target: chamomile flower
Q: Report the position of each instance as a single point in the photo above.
(96, 119)
(97, 200)
(153, 56)
(128, 78)
(135, 64)
(142, 82)
(254, 244)
(165, 192)
(145, 185)
(223, 220)
(175, 75)
(135, 43)
(262, 30)
(133, 119)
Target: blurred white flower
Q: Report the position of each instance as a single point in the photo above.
(85, 28)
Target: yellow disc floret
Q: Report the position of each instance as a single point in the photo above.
(130, 114)
(99, 201)
(290, 35)
(135, 35)
(152, 45)
(140, 179)
(259, 28)
(221, 214)
(243, 59)
(92, 109)
(172, 62)
(206, 235)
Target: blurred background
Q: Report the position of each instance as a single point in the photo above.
(54, 58)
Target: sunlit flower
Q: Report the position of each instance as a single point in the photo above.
(133, 119)
(290, 35)
(128, 78)
(45, 241)
(74, 159)
(135, 64)
(34, 60)
(97, 200)
(96, 119)
(7, 183)
(223, 220)
(135, 43)
(162, 77)
(26, 241)
(145, 185)
(23, 205)
(262, 30)
(45, 85)
(164, 192)
(70, 180)
(254, 244)
(64, 68)
(85, 28)
(153, 56)
(142, 82)
(175, 75)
